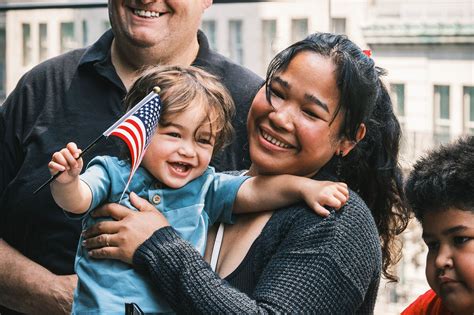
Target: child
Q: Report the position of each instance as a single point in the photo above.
(176, 177)
(440, 190)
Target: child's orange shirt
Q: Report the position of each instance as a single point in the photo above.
(427, 304)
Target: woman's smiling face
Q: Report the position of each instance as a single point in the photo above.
(296, 133)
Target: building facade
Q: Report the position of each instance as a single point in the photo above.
(252, 32)
(427, 48)
(30, 36)
(249, 32)
(429, 52)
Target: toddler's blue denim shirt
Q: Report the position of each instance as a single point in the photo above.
(104, 286)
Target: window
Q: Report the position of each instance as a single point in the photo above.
(397, 94)
(235, 41)
(441, 114)
(299, 29)
(3, 47)
(468, 92)
(67, 37)
(27, 47)
(268, 43)
(209, 28)
(84, 33)
(338, 25)
(105, 25)
(43, 41)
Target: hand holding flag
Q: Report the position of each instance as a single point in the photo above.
(135, 128)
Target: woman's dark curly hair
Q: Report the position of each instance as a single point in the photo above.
(371, 168)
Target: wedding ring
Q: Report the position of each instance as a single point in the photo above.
(107, 240)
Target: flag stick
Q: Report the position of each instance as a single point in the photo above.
(155, 92)
(53, 177)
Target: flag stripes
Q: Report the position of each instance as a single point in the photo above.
(136, 128)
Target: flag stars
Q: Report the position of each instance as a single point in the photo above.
(135, 126)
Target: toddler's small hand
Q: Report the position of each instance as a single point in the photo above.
(326, 193)
(66, 161)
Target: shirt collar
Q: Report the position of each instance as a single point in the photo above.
(100, 50)
(99, 54)
(204, 50)
(98, 57)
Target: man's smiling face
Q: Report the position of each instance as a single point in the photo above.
(156, 23)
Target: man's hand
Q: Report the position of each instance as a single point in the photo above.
(30, 288)
(60, 299)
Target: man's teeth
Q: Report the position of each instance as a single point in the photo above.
(143, 13)
(274, 141)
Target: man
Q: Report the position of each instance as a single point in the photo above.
(76, 96)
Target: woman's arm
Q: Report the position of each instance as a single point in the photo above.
(308, 270)
(293, 281)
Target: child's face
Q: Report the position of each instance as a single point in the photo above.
(182, 150)
(449, 235)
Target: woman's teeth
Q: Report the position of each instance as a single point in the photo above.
(146, 14)
(274, 141)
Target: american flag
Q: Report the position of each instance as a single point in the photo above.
(136, 128)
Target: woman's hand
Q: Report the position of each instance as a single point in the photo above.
(120, 239)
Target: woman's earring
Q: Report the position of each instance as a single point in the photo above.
(339, 165)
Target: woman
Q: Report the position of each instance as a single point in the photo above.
(323, 113)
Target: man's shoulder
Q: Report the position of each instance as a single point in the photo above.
(68, 59)
(225, 66)
(43, 80)
(64, 65)
(241, 82)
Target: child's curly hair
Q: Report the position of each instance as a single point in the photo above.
(443, 179)
(184, 86)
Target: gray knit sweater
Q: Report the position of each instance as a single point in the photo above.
(304, 264)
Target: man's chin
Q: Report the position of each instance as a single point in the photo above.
(141, 38)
